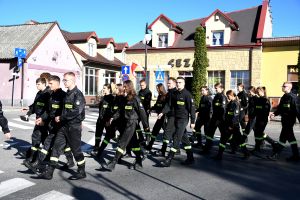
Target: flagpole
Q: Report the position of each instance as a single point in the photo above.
(146, 52)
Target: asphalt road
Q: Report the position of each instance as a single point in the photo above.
(231, 178)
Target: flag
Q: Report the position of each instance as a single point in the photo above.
(133, 67)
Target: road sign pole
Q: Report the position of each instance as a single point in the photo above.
(22, 84)
(12, 93)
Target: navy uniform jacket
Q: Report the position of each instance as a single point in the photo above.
(74, 107)
(262, 109)
(146, 96)
(40, 104)
(168, 110)
(288, 108)
(159, 104)
(183, 104)
(132, 110)
(105, 107)
(244, 100)
(3, 121)
(232, 114)
(219, 106)
(205, 108)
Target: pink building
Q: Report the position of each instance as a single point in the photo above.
(47, 51)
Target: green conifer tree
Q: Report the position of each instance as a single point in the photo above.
(200, 63)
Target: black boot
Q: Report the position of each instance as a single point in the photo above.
(207, 147)
(199, 141)
(295, 157)
(112, 164)
(138, 162)
(257, 146)
(190, 158)
(167, 162)
(48, 173)
(162, 151)
(80, 173)
(70, 162)
(245, 152)
(219, 156)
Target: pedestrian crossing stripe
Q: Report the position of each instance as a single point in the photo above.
(1, 172)
(53, 195)
(14, 185)
(90, 120)
(12, 124)
(89, 126)
(19, 120)
(94, 114)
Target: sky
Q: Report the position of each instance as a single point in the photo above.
(125, 20)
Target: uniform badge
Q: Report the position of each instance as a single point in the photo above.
(77, 102)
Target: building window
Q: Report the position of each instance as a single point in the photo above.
(239, 77)
(110, 53)
(165, 82)
(293, 77)
(215, 77)
(110, 77)
(163, 40)
(91, 81)
(91, 49)
(140, 76)
(218, 38)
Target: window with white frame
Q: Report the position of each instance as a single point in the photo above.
(91, 49)
(140, 76)
(163, 40)
(215, 77)
(218, 38)
(110, 52)
(91, 81)
(110, 77)
(239, 77)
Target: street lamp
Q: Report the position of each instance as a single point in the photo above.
(146, 40)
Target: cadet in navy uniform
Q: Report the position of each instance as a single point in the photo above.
(203, 115)
(289, 111)
(184, 108)
(130, 114)
(105, 113)
(4, 124)
(218, 117)
(232, 126)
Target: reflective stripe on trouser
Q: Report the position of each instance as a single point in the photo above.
(120, 150)
(136, 149)
(67, 149)
(34, 148)
(105, 141)
(81, 162)
(44, 151)
(54, 159)
(173, 149)
(222, 145)
(209, 138)
(187, 147)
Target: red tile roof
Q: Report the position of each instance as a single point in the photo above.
(121, 46)
(80, 36)
(98, 58)
(105, 41)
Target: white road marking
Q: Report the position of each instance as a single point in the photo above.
(53, 195)
(19, 126)
(94, 114)
(14, 185)
(91, 116)
(90, 120)
(29, 122)
(1, 172)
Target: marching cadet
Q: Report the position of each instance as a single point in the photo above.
(169, 113)
(146, 96)
(261, 113)
(73, 113)
(203, 114)
(54, 109)
(4, 124)
(232, 127)
(130, 114)
(244, 102)
(184, 108)
(38, 108)
(218, 117)
(104, 116)
(158, 106)
(251, 107)
(289, 110)
(115, 125)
